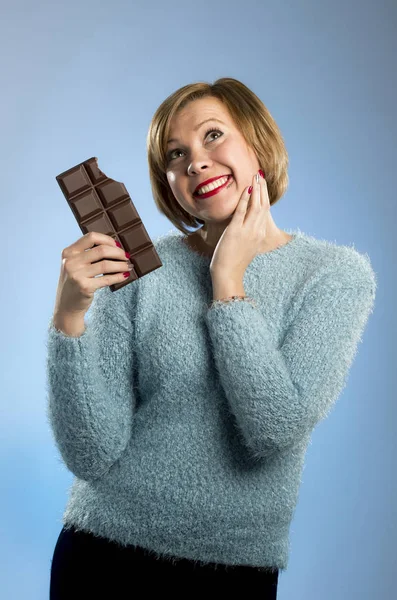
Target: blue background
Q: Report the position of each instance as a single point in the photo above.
(82, 79)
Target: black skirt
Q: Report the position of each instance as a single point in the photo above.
(86, 566)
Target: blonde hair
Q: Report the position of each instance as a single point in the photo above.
(253, 120)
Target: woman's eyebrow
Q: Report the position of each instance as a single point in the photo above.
(198, 127)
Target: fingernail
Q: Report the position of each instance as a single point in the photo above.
(261, 173)
(250, 189)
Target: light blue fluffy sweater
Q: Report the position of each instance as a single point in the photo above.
(186, 427)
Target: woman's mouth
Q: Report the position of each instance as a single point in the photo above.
(227, 184)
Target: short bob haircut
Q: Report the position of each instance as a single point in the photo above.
(251, 117)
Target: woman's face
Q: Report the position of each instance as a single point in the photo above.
(196, 156)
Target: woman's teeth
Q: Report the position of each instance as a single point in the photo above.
(212, 186)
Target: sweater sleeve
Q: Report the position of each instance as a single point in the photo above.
(90, 397)
(278, 394)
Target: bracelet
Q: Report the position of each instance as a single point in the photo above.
(232, 299)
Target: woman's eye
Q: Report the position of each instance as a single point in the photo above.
(170, 156)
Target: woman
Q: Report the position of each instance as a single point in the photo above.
(185, 406)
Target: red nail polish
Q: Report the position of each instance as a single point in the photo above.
(261, 173)
(118, 244)
(250, 189)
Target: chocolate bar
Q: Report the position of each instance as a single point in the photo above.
(102, 204)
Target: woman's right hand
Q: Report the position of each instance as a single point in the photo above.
(80, 264)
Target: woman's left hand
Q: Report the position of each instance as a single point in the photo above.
(242, 239)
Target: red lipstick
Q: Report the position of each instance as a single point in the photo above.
(216, 190)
